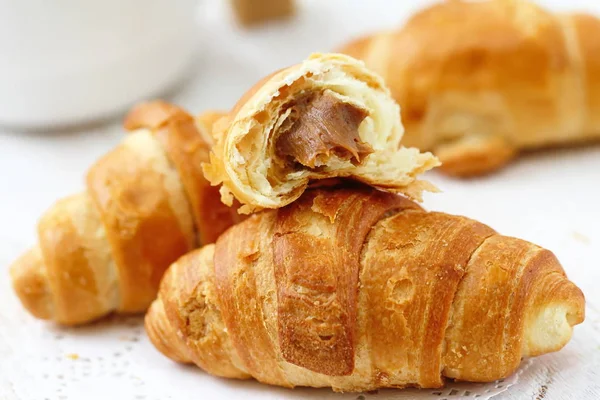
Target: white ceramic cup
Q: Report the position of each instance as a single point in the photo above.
(64, 62)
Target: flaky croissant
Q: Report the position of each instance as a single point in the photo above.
(480, 81)
(359, 289)
(326, 117)
(147, 203)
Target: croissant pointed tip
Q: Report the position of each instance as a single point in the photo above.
(30, 284)
(162, 334)
(576, 318)
(550, 327)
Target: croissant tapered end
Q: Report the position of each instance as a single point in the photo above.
(474, 156)
(163, 335)
(515, 301)
(30, 283)
(327, 117)
(554, 312)
(68, 268)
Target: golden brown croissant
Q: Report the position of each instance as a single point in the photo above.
(147, 203)
(359, 289)
(326, 117)
(479, 81)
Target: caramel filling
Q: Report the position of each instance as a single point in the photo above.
(323, 125)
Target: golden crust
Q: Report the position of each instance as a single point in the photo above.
(139, 213)
(418, 285)
(77, 258)
(525, 280)
(73, 259)
(179, 136)
(586, 30)
(438, 296)
(30, 282)
(238, 300)
(245, 161)
(195, 323)
(467, 73)
(147, 204)
(163, 336)
(473, 156)
(205, 122)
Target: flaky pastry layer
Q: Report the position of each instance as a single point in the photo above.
(246, 160)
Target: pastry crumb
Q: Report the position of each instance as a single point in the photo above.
(73, 356)
(580, 237)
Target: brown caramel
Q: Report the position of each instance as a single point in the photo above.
(324, 126)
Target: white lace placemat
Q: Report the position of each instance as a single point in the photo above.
(114, 357)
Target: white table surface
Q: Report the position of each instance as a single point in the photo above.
(551, 198)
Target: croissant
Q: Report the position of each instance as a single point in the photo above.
(480, 81)
(359, 289)
(326, 117)
(146, 204)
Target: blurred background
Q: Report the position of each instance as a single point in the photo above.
(69, 70)
(91, 60)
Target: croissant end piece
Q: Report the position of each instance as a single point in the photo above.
(146, 204)
(358, 289)
(326, 117)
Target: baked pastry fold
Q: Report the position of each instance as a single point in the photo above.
(327, 117)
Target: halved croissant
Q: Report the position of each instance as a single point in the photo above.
(147, 203)
(326, 117)
(359, 289)
(480, 81)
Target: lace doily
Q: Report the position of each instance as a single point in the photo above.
(114, 357)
